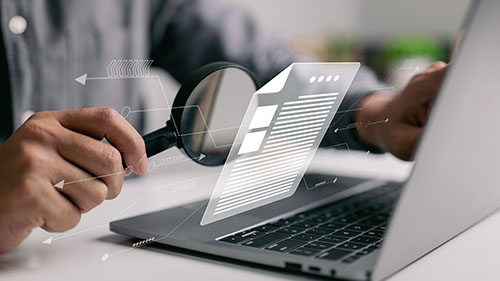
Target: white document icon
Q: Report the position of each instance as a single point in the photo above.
(278, 137)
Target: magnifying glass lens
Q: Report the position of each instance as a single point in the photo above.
(213, 113)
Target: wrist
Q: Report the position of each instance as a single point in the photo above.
(373, 108)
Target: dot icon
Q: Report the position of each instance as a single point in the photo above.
(128, 171)
(321, 78)
(329, 78)
(312, 79)
(125, 111)
(336, 78)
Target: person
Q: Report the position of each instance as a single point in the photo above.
(46, 44)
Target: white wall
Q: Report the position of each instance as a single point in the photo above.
(371, 19)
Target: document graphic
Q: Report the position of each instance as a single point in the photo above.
(278, 137)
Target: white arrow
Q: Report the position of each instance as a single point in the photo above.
(105, 257)
(201, 157)
(59, 184)
(82, 79)
(48, 240)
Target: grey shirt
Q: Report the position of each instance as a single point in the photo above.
(67, 38)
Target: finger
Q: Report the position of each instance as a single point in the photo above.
(106, 123)
(99, 159)
(59, 213)
(435, 66)
(85, 191)
(428, 84)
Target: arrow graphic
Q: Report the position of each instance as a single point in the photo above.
(60, 184)
(48, 240)
(82, 79)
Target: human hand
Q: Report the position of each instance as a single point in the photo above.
(63, 145)
(406, 113)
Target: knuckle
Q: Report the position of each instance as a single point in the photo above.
(37, 116)
(29, 156)
(99, 193)
(112, 156)
(28, 194)
(114, 188)
(39, 129)
(107, 114)
(73, 221)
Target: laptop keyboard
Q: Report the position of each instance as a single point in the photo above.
(341, 231)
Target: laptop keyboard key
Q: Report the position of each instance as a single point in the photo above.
(333, 239)
(252, 234)
(233, 239)
(305, 224)
(319, 245)
(347, 233)
(286, 245)
(265, 240)
(282, 222)
(333, 225)
(365, 251)
(290, 230)
(359, 227)
(374, 233)
(305, 252)
(365, 240)
(334, 254)
(306, 236)
(351, 246)
(374, 220)
(346, 220)
(320, 231)
(265, 228)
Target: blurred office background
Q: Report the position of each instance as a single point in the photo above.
(395, 37)
(384, 34)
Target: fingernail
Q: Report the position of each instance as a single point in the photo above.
(143, 164)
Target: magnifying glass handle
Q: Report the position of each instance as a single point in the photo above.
(159, 140)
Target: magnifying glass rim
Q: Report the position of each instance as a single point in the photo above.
(188, 87)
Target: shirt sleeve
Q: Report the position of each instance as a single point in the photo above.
(187, 34)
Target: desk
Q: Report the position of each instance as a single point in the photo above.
(76, 255)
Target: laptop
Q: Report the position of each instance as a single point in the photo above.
(365, 229)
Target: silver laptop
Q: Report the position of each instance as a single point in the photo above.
(366, 229)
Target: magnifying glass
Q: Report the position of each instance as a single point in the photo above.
(206, 113)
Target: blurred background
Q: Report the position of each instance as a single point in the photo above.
(384, 34)
(396, 38)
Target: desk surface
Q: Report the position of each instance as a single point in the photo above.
(77, 254)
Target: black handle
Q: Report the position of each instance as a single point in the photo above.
(160, 140)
